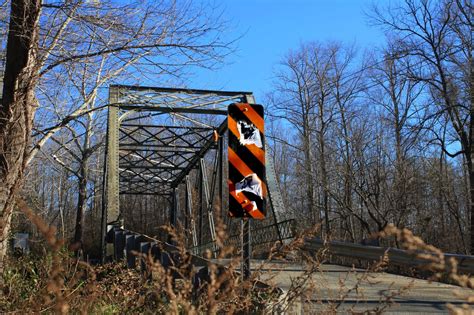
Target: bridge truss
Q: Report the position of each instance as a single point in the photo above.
(156, 139)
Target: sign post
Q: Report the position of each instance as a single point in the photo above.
(246, 248)
(247, 187)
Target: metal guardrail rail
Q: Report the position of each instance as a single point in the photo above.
(268, 233)
(395, 255)
(261, 235)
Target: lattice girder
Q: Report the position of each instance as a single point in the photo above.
(162, 132)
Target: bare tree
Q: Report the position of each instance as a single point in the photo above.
(321, 66)
(312, 93)
(346, 84)
(18, 106)
(438, 35)
(47, 39)
(398, 98)
(295, 102)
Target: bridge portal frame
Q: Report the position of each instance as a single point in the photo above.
(124, 102)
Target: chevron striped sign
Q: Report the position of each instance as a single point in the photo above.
(246, 151)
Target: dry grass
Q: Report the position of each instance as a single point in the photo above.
(441, 266)
(59, 283)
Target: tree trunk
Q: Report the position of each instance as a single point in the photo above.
(18, 107)
(324, 182)
(323, 165)
(441, 195)
(347, 198)
(81, 205)
(471, 151)
(309, 177)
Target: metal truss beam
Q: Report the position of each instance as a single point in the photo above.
(195, 160)
(174, 110)
(162, 136)
(189, 211)
(112, 167)
(178, 90)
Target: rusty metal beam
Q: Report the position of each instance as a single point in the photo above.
(195, 160)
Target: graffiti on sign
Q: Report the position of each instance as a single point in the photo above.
(247, 188)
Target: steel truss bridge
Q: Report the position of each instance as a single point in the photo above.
(170, 143)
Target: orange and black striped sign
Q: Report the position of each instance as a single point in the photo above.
(247, 187)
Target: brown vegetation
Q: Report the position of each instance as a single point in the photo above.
(58, 282)
(378, 145)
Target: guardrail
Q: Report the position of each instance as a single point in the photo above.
(395, 255)
(134, 249)
(268, 233)
(261, 235)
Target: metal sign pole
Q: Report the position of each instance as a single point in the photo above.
(246, 249)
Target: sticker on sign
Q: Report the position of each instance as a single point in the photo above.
(249, 134)
(251, 183)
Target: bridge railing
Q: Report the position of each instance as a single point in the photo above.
(269, 233)
(395, 255)
(125, 245)
(262, 235)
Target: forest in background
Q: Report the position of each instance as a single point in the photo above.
(360, 137)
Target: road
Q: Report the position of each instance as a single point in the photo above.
(344, 289)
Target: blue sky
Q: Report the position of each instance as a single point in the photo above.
(270, 28)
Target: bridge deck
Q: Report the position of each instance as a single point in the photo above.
(361, 290)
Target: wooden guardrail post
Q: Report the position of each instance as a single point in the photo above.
(129, 247)
(119, 244)
(144, 250)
